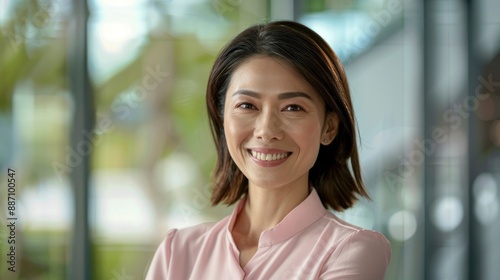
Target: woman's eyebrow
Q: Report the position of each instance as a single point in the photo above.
(281, 96)
(293, 94)
(247, 92)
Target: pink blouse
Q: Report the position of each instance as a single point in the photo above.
(309, 243)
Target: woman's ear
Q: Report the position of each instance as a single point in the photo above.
(330, 128)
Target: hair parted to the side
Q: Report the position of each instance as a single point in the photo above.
(338, 184)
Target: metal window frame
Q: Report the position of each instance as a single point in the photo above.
(80, 265)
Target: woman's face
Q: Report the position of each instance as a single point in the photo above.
(274, 123)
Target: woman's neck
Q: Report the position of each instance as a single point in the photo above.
(265, 208)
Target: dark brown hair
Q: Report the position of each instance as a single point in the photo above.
(336, 173)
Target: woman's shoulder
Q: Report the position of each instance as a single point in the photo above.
(346, 229)
(196, 233)
(181, 248)
(357, 240)
(363, 252)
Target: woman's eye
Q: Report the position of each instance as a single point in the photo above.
(293, 108)
(246, 106)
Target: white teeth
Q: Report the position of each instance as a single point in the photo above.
(268, 157)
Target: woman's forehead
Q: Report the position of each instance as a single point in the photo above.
(264, 74)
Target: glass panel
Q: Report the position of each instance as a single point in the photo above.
(35, 115)
(153, 150)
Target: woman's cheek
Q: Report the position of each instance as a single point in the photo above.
(236, 128)
(240, 123)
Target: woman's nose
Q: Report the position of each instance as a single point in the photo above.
(269, 126)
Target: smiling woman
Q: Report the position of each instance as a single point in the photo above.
(283, 124)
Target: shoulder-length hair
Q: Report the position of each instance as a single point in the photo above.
(336, 174)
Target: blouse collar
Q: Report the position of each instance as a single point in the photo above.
(302, 216)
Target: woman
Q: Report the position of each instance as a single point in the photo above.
(284, 128)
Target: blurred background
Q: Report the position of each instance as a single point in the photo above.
(103, 119)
